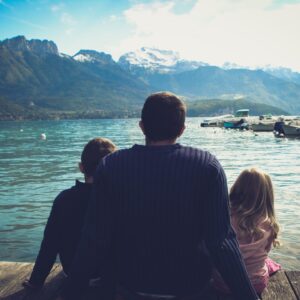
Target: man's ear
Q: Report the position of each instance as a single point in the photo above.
(181, 131)
(80, 165)
(142, 126)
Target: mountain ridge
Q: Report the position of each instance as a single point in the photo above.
(34, 76)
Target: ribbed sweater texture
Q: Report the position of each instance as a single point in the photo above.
(160, 215)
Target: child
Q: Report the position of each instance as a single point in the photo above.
(62, 232)
(253, 219)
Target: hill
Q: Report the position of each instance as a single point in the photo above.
(38, 82)
(199, 80)
(215, 107)
(48, 80)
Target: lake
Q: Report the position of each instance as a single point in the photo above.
(34, 171)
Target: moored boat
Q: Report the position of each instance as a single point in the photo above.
(215, 121)
(241, 124)
(263, 126)
(291, 130)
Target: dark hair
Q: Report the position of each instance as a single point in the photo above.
(93, 152)
(163, 116)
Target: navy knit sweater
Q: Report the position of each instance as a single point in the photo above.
(63, 230)
(162, 213)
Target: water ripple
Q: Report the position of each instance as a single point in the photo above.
(34, 171)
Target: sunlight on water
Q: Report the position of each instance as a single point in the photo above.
(34, 171)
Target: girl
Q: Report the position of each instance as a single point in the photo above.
(253, 219)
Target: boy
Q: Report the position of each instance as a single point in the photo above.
(63, 229)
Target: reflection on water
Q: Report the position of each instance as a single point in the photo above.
(34, 171)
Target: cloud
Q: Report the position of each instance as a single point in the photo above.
(67, 19)
(57, 7)
(69, 31)
(113, 18)
(247, 32)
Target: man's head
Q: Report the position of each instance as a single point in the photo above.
(163, 117)
(92, 154)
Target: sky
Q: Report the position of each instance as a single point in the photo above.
(245, 32)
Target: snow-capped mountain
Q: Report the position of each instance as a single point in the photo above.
(156, 61)
(229, 66)
(283, 73)
(93, 56)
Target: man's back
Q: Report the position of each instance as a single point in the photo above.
(153, 209)
(159, 198)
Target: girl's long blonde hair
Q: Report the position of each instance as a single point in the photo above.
(252, 200)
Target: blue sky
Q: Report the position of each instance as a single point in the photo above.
(246, 32)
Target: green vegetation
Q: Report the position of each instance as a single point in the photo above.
(37, 82)
(216, 107)
(213, 107)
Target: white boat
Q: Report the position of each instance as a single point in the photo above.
(263, 126)
(215, 121)
(264, 123)
(291, 130)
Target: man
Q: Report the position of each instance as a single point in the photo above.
(155, 210)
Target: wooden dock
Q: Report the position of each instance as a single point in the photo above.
(284, 285)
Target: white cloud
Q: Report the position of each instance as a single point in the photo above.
(57, 7)
(113, 18)
(67, 19)
(246, 32)
(69, 31)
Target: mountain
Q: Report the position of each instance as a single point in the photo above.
(159, 69)
(152, 60)
(19, 43)
(94, 57)
(216, 107)
(283, 73)
(37, 81)
(213, 82)
(34, 74)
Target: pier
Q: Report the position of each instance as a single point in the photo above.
(284, 285)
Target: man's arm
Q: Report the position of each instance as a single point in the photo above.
(95, 241)
(48, 250)
(220, 237)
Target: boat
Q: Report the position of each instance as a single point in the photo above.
(238, 121)
(263, 126)
(241, 124)
(287, 127)
(242, 113)
(291, 130)
(264, 123)
(215, 121)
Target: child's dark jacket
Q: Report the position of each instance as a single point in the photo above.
(62, 232)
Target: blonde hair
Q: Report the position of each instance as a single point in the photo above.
(252, 200)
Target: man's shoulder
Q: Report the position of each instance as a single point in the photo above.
(184, 151)
(197, 153)
(117, 155)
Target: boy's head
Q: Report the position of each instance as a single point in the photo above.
(92, 154)
(163, 117)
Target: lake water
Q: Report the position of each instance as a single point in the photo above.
(34, 171)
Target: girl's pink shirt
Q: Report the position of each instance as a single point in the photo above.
(255, 254)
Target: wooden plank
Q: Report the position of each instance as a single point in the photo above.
(13, 274)
(294, 279)
(282, 286)
(279, 288)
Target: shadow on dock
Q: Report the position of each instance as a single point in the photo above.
(284, 285)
